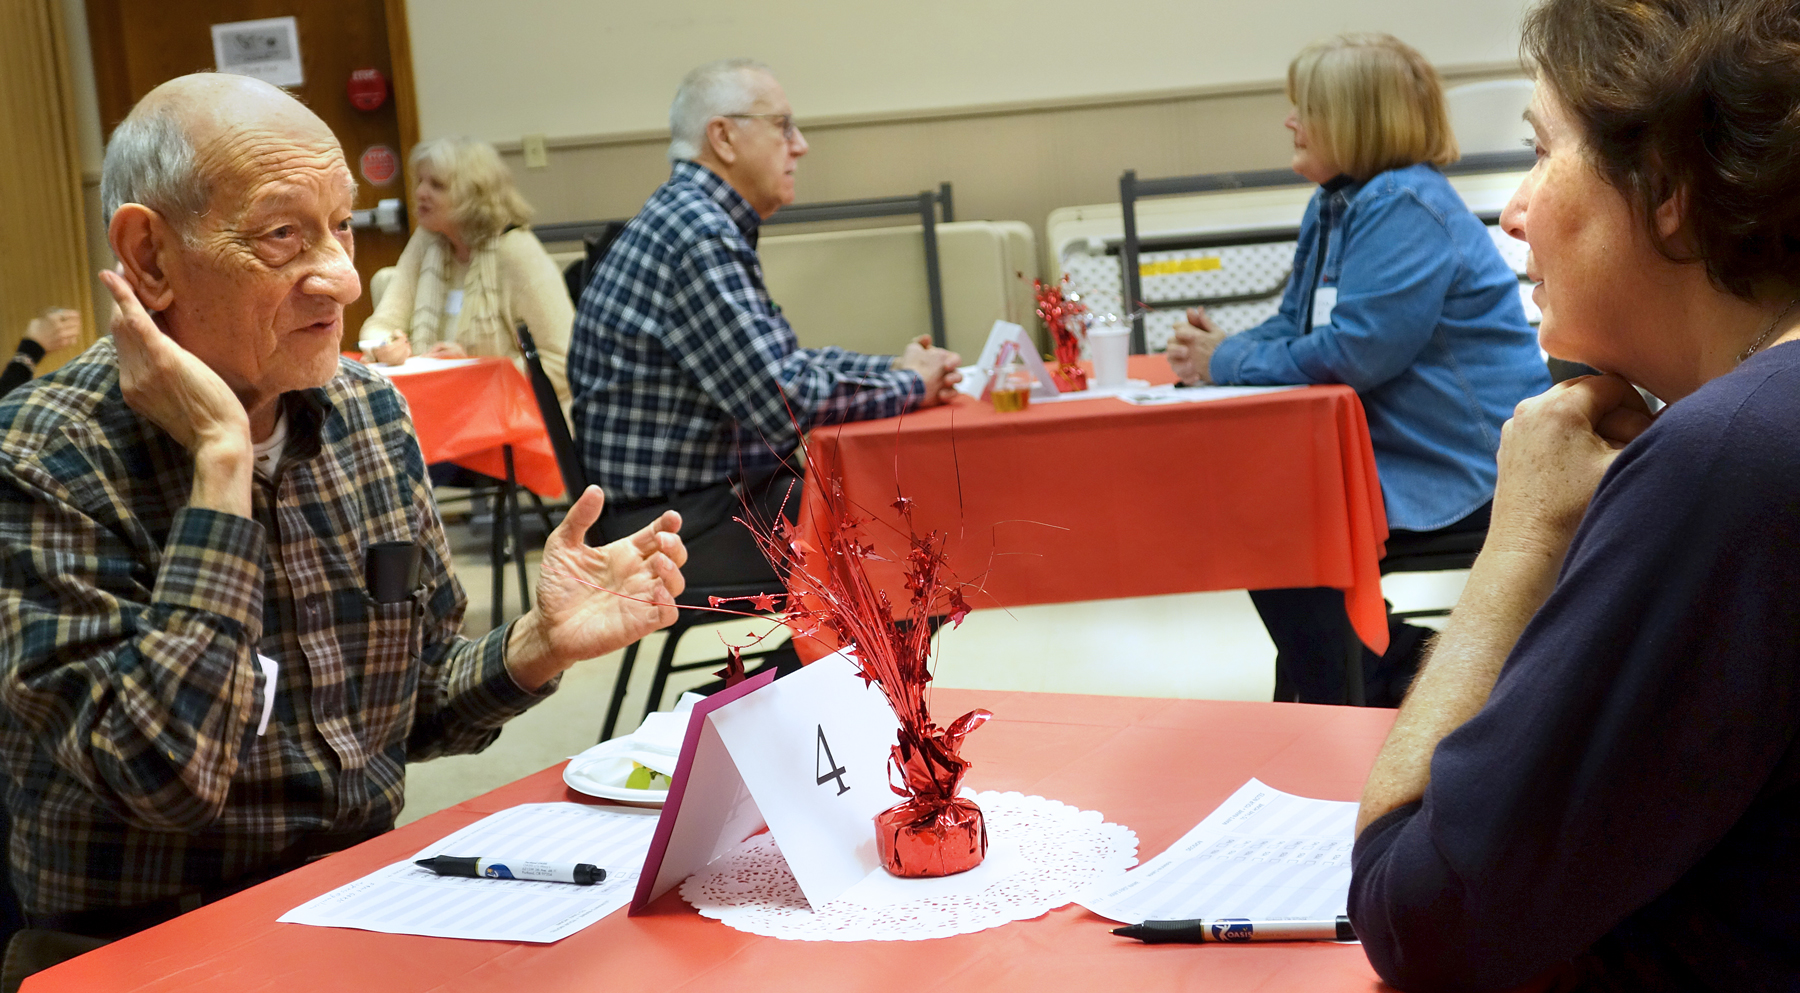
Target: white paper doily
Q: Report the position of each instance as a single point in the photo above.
(1041, 855)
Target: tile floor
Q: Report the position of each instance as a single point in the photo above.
(1193, 645)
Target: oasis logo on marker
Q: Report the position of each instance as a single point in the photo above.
(1233, 930)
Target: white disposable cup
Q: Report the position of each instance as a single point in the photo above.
(1109, 347)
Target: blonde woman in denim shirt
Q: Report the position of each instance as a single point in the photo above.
(1398, 292)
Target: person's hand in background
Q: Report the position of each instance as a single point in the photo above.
(936, 366)
(58, 328)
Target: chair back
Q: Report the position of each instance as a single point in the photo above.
(574, 476)
(580, 273)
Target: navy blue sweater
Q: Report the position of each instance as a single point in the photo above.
(1626, 807)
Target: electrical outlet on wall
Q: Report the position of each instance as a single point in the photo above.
(536, 157)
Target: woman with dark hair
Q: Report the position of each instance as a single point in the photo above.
(1595, 783)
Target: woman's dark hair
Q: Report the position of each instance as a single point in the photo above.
(1692, 97)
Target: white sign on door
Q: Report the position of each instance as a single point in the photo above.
(268, 49)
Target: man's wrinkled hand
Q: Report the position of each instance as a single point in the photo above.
(936, 366)
(596, 600)
(168, 384)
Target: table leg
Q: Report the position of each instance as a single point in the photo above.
(497, 558)
(1353, 670)
(512, 523)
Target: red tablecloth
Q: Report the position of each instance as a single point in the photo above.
(466, 413)
(1093, 499)
(1156, 766)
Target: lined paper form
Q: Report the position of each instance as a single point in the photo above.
(407, 899)
(1151, 396)
(1263, 854)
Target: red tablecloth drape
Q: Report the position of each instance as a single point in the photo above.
(1155, 766)
(466, 413)
(1094, 499)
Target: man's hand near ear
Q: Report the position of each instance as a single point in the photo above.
(180, 394)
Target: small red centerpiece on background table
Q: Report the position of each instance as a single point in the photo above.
(1063, 317)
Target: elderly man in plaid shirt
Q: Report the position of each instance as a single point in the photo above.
(690, 389)
(199, 686)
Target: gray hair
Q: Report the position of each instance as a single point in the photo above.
(151, 160)
(716, 89)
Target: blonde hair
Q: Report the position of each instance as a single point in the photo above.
(1369, 103)
(483, 199)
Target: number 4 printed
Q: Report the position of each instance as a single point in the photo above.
(833, 771)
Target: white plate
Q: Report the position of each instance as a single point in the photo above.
(601, 770)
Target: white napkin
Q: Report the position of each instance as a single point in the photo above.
(656, 744)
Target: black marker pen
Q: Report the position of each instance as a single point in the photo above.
(1231, 929)
(579, 873)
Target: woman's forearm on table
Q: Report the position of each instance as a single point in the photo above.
(1506, 587)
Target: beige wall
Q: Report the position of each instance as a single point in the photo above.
(894, 115)
(1005, 165)
(569, 68)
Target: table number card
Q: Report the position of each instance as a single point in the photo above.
(807, 756)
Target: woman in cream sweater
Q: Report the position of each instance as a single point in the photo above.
(471, 270)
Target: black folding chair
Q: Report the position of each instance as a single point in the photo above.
(575, 480)
(577, 274)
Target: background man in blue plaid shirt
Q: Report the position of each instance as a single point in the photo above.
(690, 389)
(200, 684)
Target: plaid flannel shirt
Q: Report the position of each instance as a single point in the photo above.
(130, 689)
(684, 373)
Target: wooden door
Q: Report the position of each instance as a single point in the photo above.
(138, 46)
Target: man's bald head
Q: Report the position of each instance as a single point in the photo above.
(228, 205)
(167, 152)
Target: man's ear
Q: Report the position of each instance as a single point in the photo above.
(143, 242)
(721, 140)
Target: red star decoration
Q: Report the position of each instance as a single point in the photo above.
(959, 608)
(733, 673)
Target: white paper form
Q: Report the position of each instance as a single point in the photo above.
(1150, 396)
(418, 364)
(1263, 854)
(408, 899)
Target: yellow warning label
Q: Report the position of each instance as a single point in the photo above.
(1205, 263)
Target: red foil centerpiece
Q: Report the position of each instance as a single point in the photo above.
(1062, 317)
(933, 832)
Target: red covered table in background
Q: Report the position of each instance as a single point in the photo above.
(1095, 499)
(481, 415)
(469, 412)
(1155, 766)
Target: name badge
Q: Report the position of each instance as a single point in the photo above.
(453, 302)
(1324, 298)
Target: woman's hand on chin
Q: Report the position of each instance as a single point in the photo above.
(1553, 453)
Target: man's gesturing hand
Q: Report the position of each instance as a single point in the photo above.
(592, 601)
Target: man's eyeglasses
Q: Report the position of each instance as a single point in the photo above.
(789, 130)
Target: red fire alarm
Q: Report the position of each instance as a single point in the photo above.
(379, 165)
(368, 89)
